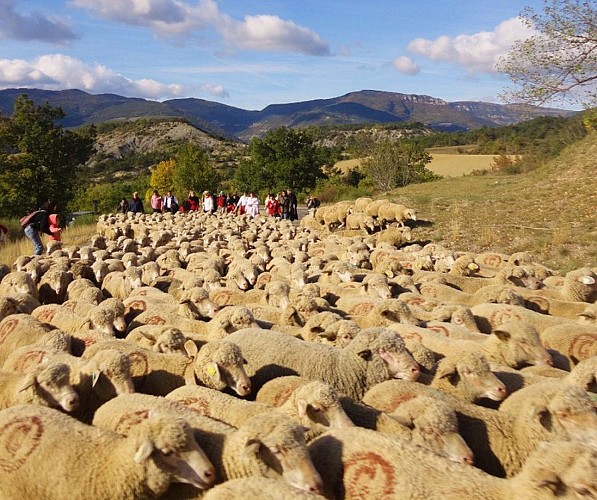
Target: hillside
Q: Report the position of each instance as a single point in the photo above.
(549, 212)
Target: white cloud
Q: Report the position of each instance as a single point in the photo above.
(406, 65)
(272, 34)
(57, 71)
(32, 27)
(216, 90)
(175, 17)
(478, 52)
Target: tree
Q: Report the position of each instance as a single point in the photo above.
(162, 177)
(397, 164)
(39, 159)
(284, 158)
(560, 61)
(194, 172)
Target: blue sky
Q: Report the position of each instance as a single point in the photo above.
(251, 53)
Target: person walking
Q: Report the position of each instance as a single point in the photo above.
(123, 206)
(208, 202)
(193, 201)
(136, 205)
(170, 203)
(252, 205)
(156, 202)
(40, 223)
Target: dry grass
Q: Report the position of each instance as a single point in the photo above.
(78, 234)
(550, 212)
(443, 163)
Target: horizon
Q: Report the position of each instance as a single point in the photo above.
(262, 52)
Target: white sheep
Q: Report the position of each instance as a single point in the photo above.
(372, 356)
(359, 463)
(233, 452)
(47, 385)
(95, 463)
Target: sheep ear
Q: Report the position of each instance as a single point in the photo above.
(30, 381)
(252, 447)
(404, 420)
(147, 335)
(445, 370)
(542, 414)
(503, 335)
(546, 478)
(302, 407)
(330, 335)
(586, 280)
(191, 348)
(144, 451)
(95, 375)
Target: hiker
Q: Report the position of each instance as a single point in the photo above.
(136, 205)
(38, 222)
(123, 206)
(156, 202)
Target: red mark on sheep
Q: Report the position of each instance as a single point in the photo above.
(155, 320)
(397, 400)
(583, 346)
(197, 405)
(7, 328)
(29, 359)
(368, 475)
(442, 330)
(129, 420)
(504, 315)
(18, 440)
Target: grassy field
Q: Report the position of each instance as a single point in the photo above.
(443, 163)
(550, 212)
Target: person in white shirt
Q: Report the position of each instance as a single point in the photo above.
(208, 202)
(170, 203)
(252, 205)
(241, 206)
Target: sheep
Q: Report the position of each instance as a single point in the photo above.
(575, 341)
(500, 441)
(314, 405)
(96, 463)
(46, 385)
(53, 285)
(8, 306)
(468, 376)
(386, 313)
(393, 212)
(21, 329)
(412, 424)
(372, 356)
(164, 339)
(498, 294)
(96, 380)
(359, 463)
(85, 290)
(19, 282)
(394, 236)
(372, 208)
(362, 222)
(490, 316)
(258, 488)
(514, 344)
(218, 364)
(269, 444)
(120, 284)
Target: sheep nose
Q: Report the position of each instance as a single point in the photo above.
(468, 460)
(501, 390)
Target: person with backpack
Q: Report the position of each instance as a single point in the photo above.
(38, 222)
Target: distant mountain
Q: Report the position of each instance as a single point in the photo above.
(365, 106)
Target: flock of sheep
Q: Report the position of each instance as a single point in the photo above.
(215, 356)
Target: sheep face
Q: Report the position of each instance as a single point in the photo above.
(473, 376)
(111, 374)
(318, 403)
(54, 386)
(571, 410)
(171, 443)
(280, 443)
(520, 344)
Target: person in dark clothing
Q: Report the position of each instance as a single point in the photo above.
(40, 224)
(136, 205)
(123, 206)
(285, 204)
(292, 205)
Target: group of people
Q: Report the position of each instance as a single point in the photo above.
(283, 204)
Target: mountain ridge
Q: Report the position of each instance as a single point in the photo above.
(358, 107)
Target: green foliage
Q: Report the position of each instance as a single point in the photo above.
(194, 172)
(39, 160)
(397, 164)
(558, 62)
(284, 158)
(108, 194)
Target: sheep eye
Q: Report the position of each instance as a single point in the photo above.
(168, 452)
(582, 491)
